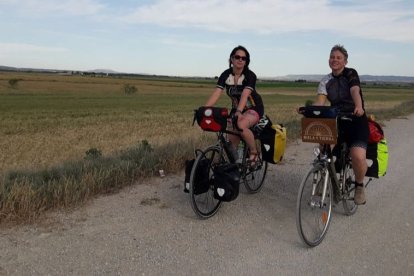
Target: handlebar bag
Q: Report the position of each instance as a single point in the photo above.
(212, 118)
(315, 111)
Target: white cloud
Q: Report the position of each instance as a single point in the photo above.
(53, 7)
(384, 20)
(388, 20)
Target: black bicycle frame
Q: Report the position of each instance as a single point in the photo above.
(227, 147)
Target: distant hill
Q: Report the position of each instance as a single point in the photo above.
(101, 71)
(104, 71)
(304, 77)
(364, 78)
(9, 68)
(370, 78)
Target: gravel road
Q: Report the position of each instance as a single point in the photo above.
(150, 229)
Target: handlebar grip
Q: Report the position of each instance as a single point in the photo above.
(234, 123)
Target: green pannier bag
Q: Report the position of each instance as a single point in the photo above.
(377, 156)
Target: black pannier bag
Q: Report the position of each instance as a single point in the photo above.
(212, 118)
(226, 180)
(201, 177)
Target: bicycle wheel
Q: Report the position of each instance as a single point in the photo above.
(348, 190)
(253, 179)
(203, 202)
(312, 215)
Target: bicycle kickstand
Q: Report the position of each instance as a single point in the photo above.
(369, 180)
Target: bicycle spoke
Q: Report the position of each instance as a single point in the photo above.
(350, 207)
(313, 215)
(254, 178)
(203, 202)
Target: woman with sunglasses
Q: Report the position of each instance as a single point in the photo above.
(240, 85)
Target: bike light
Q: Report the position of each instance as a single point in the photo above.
(208, 112)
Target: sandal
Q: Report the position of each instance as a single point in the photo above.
(252, 162)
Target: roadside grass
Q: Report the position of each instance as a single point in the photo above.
(25, 194)
(66, 139)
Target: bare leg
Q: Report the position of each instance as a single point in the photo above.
(359, 163)
(246, 121)
(235, 140)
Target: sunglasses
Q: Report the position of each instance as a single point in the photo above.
(244, 58)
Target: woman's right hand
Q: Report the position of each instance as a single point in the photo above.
(234, 120)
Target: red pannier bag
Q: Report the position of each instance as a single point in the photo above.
(212, 118)
(376, 133)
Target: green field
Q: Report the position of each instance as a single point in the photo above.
(50, 121)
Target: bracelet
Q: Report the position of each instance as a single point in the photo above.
(238, 110)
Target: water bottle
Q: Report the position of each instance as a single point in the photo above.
(240, 151)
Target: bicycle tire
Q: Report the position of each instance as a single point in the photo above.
(348, 191)
(312, 219)
(205, 205)
(253, 179)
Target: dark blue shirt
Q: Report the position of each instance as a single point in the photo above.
(338, 88)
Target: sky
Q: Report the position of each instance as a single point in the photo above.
(195, 37)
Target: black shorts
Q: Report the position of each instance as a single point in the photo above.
(355, 132)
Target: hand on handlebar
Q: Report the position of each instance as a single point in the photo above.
(358, 111)
(234, 120)
(301, 110)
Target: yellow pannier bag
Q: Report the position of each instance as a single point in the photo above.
(273, 142)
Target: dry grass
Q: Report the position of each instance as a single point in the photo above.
(49, 122)
(52, 147)
(49, 118)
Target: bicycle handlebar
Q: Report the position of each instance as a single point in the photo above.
(234, 119)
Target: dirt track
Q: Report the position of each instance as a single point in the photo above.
(151, 229)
